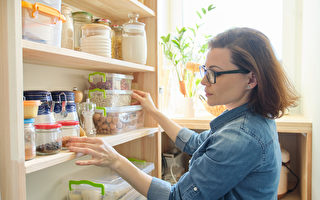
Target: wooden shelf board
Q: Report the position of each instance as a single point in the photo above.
(43, 54)
(42, 162)
(112, 9)
(286, 124)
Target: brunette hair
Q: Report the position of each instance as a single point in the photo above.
(251, 50)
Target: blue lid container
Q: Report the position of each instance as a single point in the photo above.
(29, 121)
(58, 96)
(42, 95)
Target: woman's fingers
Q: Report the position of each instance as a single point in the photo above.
(85, 151)
(86, 145)
(88, 162)
(136, 96)
(89, 140)
(139, 92)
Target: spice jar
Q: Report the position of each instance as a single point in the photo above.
(96, 39)
(67, 35)
(116, 42)
(134, 42)
(69, 129)
(79, 19)
(48, 138)
(29, 139)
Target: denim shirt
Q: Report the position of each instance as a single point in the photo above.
(238, 158)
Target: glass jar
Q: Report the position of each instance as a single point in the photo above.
(67, 35)
(69, 129)
(96, 39)
(86, 112)
(134, 42)
(48, 139)
(64, 107)
(29, 139)
(116, 42)
(79, 19)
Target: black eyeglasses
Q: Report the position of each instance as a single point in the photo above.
(212, 75)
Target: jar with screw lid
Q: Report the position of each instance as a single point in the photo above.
(48, 139)
(69, 129)
(79, 19)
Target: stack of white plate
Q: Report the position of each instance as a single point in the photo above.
(98, 45)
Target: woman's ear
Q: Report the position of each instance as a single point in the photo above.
(252, 80)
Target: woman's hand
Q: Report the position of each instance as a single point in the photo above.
(102, 154)
(145, 100)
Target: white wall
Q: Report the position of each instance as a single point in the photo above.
(310, 82)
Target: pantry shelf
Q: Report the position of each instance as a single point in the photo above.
(42, 162)
(112, 9)
(43, 54)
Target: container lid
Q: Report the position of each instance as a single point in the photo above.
(47, 126)
(32, 103)
(68, 123)
(29, 121)
(108, 75)
(43, 9)
(109, 92)
(82, 14)
(118, 109)
(61, 95)
(102, 21)
(41, 95)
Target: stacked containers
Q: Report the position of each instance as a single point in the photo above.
(42, 23)
(111, 187)
(112, 95)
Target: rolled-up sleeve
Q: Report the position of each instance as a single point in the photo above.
(159, 189)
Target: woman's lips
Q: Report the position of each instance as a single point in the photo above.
(208, 94)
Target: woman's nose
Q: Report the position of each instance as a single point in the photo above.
(204, 80)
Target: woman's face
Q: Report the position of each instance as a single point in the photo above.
(231, 90)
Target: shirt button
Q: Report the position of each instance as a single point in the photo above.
(189, 161)
(195, 189)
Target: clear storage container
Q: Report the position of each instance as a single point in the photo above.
(64, 107)
(110, 188)
(30, 109)
(113, 120)
(79, 19)
(96, 39)
(41, 23)
(110, 81)
(110, 98)
(134, 41)
(29, 139)
(56, 4)
(86, 112)
(48, 139)
(69, 129)
(116, 42)
(45, 114)
(67, 35)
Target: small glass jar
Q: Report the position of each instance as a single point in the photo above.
(48, 139)
(67, 35)
(79, 19)
(29, 139)
(69, 129)
(116, 42)
(96, 39)
(134, 41)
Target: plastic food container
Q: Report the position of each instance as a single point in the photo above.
(69, 129)
(110, 81)
(110, 98)
(111, 187)
(31, 108)
(48, 138)
(112, 120)
(56, 4)
(29, 139)
(41, 23)
(45, 114)
(64, 107)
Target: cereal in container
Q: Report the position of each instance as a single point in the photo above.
(110, 98)
(110, 81)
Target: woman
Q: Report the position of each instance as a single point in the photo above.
(239, 157)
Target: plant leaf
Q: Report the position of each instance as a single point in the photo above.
(204, 10)
(211, 7)
(199, 15)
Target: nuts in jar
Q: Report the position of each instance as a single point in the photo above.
(48, 138)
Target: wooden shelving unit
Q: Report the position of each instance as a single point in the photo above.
(297, 126)
(24, 60)
(42, 162)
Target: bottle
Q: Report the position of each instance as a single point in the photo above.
(79, 19)
(86, 110)
(67, 35)
(134, 41)
(29, 139)
(116, 42)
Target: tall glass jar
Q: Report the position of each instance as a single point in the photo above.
(79, 19)
(134, 41)
(48, 139)
(29, 139)
(67, 35)
(116, 42)
(69, 129)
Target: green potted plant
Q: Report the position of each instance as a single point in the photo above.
(185, 49)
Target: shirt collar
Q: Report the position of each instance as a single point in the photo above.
(228, 116)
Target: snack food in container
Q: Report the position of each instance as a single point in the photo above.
(110, 98)
(109, 187)
(48, 139)
(112, 120)
(110, 81)
(30, 108)
(69, 129)
(41, 23)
